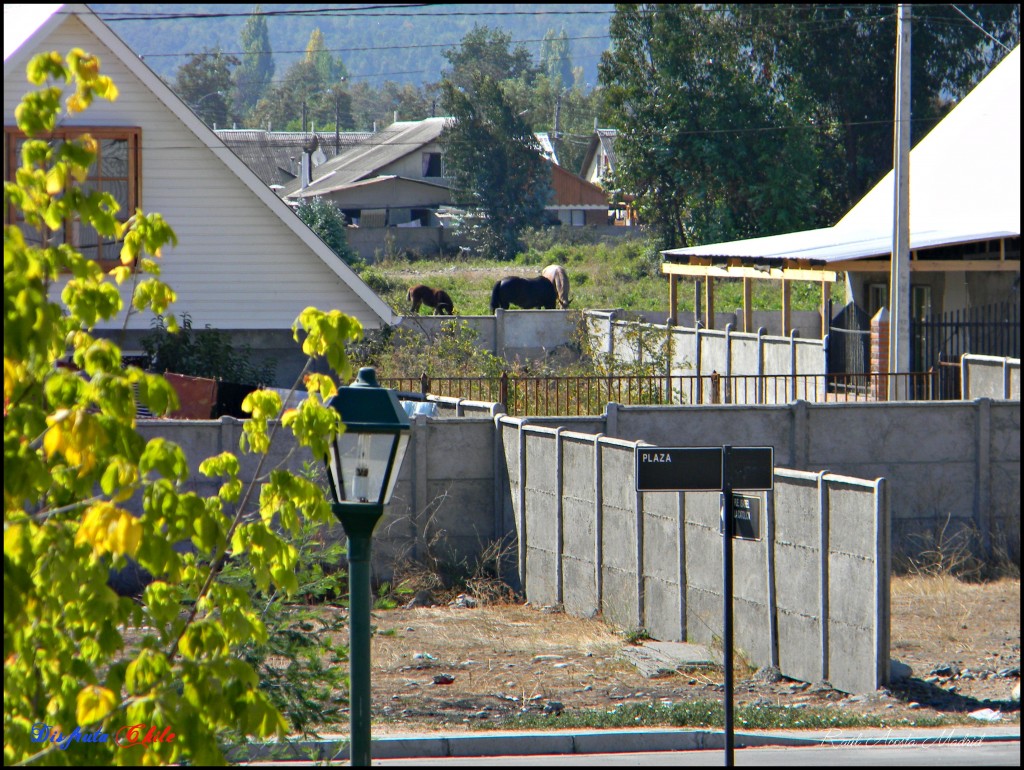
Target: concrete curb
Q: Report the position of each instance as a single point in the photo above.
(444, 745)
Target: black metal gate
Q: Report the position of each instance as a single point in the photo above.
(849, 346)
(987, 330)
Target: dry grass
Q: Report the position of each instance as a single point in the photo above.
(929, 608)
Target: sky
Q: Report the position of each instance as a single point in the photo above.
(21, 20)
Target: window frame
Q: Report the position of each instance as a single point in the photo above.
(71, 231)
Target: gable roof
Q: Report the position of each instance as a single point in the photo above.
(369, 157)
(603, 139)
(41, 21)
(964, 187)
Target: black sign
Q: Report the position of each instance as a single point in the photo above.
(699, 469)
(678, 469)
(750, 467)
(746, 517)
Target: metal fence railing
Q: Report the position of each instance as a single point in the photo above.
(588, 395)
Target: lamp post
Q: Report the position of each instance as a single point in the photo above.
(362, 467)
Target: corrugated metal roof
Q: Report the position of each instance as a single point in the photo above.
(274, 155)
(366, 159)
(964, 187)
(827, 245)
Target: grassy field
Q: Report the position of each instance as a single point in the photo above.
(624, 275)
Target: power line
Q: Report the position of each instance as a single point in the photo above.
(360, 49)
(986, 33)
(361, 11)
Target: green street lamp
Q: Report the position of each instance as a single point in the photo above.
(362, 468)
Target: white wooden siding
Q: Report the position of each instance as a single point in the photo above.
(237, 264)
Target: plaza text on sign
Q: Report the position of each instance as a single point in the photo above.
(699, 469)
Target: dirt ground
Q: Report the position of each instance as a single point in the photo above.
(446, 667)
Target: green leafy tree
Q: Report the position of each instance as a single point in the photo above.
(73, 458)
(204, 83)
(484, 53)
(738, 121)
(839, 62)
(701, 143)
(554, 56)
(253, 77)
(328, 223)
(330, 69)
(493, 161)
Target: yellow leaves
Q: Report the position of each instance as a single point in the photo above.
(109, 529)
(45, 65)
(326, 335)
(323, 384)
(94, 704)
(72, 434)
(56, 179)
(264, 405)
(201, 639)
(121, 274)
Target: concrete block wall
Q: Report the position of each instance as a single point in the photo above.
(511, 334)
(809, 597)
(531, 334)
(954, 467)
(445, 503)
(989, 377)
(703, 351)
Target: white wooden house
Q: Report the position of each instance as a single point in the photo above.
(244, 263)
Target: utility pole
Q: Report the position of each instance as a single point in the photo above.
(899, 272)
(558, 119)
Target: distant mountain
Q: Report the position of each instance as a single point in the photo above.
(402, 43)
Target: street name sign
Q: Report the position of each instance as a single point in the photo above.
(699, 469)
(746, 517)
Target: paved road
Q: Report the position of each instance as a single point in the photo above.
(976, 755)
(666, 747)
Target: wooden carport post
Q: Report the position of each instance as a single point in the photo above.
(673, 289)
(709, 302)
(748, 310)
(787, 322)
(826, 300)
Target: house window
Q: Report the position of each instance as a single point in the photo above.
(115, 170)
(920, 302)
(878, 297)
(432, 164)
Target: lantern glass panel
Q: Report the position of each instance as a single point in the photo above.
(403, 444)
(363, 462)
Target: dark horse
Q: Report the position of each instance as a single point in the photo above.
(527, 293)
(435, 298)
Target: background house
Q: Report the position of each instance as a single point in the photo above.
(598, 165)
(574, 200)
(245, 263)
(276, 156)
(392, 177)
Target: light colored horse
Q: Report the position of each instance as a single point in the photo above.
(560, 280)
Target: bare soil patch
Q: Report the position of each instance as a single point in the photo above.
(446, 667)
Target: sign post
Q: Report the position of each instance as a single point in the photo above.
(709, 469)
(727, 528)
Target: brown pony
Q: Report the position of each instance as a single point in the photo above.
(435, 298)
(560, 280)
